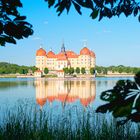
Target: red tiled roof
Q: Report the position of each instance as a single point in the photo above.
(85, 51)
(51, 54)
(61, 56)
(41, 52)
(71, 54)
(38, 71)
(92, 54)
(60, 71)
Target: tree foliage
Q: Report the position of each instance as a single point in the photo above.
(71, 70)
(83, 70)
(66, 70)
(119, 69)
(46, 70)
(123, 101)
(92, 71)
(7, 68)
(99, 8)
(77, 70)
(13, 25)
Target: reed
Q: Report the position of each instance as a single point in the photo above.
(23, 123)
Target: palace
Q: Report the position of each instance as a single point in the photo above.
(65, 58)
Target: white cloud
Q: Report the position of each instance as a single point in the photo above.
(46, 22)
(106, 31)
(103, 32)
(36, 38)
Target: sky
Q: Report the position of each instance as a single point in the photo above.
(115, 41)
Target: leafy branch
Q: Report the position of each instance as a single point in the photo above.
(99, 8)
(123, 101)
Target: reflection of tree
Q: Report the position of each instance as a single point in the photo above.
(6, 85)
(123, 100)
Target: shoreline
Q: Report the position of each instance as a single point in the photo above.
(78, 77)
(117, 75)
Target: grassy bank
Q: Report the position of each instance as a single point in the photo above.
(22, 124)
(8, 75)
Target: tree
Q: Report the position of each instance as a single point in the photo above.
(104, 70)
(33, 68)
(99, 8)
(92, 71)
(120, 68)
(66, 70)
(23, 71)
(71, 70)
(77, 70)
(12, 25)
(99, 69)
(7, 68)
(46, 70)
(83, 71)
(123, 101)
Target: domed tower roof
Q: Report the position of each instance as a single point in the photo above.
(41, 52)
(85, 51)
(51, 54)
(92, 54)
(71, 54)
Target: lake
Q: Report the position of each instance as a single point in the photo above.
(54, 93)
(58, 109)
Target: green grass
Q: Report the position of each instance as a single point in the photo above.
(23, 123)
(8, 76)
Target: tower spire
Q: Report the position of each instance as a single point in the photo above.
(63, 47)
(85, 43)
(41, 46)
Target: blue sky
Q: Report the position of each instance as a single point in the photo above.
(115, 41)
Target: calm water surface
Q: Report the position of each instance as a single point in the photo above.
(51, 93)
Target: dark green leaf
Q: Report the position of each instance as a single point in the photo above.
(139, 18)
(136, 11)
(50, 2)
(77, 7)
(20, 18)
(60, 8)
(94, 14)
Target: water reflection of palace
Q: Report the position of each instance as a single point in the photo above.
(65, 91)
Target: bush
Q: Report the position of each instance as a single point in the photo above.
(46, 70)
(83, 70)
